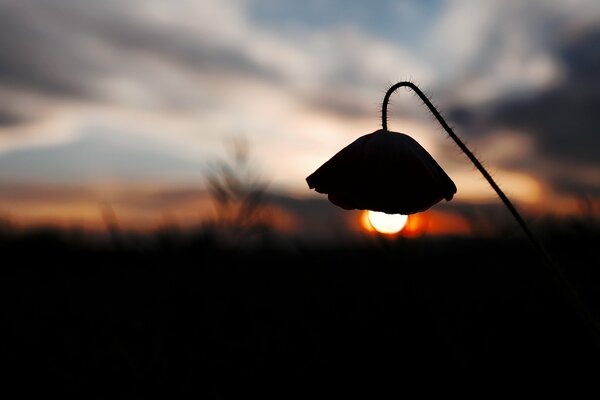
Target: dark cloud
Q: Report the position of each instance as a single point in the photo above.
(64, 47)
(348, 107)
(129, 33)
(165, 198)
(38, 54)
(22, 193)
(566, 184)
(59, 48)
(333, 222)
(8, 118)
(563, 119)
(138, 198)
(318, 219)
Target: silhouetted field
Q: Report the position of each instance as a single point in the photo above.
(180, 315)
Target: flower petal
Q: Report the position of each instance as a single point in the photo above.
(383, 171)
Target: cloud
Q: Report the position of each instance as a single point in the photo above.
(97, 156)
(168, 53)
(141, 207)
(8, 118)
(492, 49)
(298, 79)
(38, 53)
(64, 47)
(199, 61)
(560, 119)
(181, 76)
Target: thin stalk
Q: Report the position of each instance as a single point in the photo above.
(568, 289)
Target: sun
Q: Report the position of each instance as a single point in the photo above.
(385, 223)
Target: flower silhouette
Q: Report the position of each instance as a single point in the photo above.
(390, 172)
(383, 171)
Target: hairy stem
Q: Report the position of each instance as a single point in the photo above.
(568, 289)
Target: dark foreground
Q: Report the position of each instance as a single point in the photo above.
(191, 319)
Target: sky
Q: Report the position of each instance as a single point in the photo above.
(127, 104)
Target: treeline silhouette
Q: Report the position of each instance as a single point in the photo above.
(181, 314)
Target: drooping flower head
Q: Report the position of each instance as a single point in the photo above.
(390, 172)
(383, 171)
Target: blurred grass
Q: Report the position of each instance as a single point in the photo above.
(183, 313)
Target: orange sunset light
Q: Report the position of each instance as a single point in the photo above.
(429, 222)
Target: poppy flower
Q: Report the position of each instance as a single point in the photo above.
(383, 171)
(390, 172)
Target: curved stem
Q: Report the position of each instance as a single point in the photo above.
(559, 275)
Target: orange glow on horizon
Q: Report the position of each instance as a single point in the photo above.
(429, 222)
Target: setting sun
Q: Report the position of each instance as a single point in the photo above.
(386, 223)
